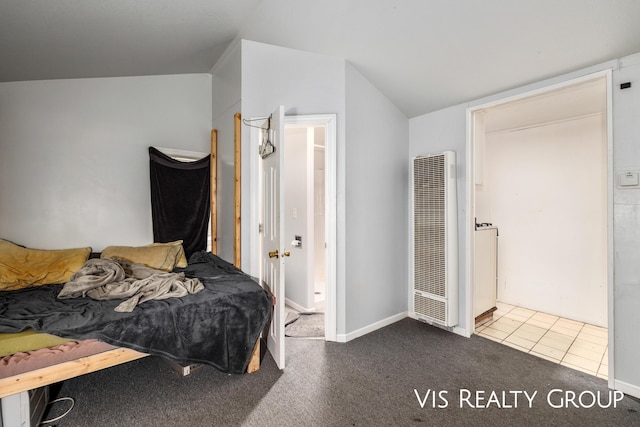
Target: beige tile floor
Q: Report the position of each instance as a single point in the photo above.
(570, 343)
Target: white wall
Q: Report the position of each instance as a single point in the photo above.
(226, 101)
(547, 193)
(296, 196)
(372, 185)
(377, 167)
(626, 218)
(74, 169)
(304, 83)
(319, 208)
(447, 129)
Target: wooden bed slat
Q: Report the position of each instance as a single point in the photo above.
(214, 190)
(64, 371)
(254, 362)
(237, 140)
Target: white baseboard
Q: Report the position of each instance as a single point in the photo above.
(298, 307)
(626, 388)
(370, 328)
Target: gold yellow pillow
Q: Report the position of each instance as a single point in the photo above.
(23, 267)
(181, 258)
(161, 256)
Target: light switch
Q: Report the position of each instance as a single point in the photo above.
(629, 179)
(294, 213)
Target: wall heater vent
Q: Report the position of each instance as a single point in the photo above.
(434, 291)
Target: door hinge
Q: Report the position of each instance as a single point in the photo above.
(259, 227)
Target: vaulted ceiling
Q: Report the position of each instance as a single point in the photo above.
(424, 55)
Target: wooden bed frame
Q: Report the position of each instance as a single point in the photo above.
(64, 371)
(84, 365)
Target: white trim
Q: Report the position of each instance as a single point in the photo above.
(372, 327)
(630, 389)
(182, 155)
(331, 171)
(603, 70)
(470, 228)
(311, 218)
(610, 230)
(544, 85)
(331, 206)
(539, 90)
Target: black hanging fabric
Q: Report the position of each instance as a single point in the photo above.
(180, 200)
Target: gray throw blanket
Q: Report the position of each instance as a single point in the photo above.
(106, 278)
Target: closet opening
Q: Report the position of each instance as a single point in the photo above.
(540, 224)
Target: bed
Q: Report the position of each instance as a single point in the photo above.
(219, 326)
(247, 313)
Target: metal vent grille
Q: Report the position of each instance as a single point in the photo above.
(432, 308)
(429, 225)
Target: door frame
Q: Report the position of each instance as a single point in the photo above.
(473, 112)
(331, 197)
(330, 171)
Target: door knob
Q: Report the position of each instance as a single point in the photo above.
(273, 254)
(286, 253)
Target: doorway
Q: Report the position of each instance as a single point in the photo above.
(304, 228)
(540, 179)
(268, 193)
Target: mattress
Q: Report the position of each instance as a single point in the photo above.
(27, 340)
(21, 362)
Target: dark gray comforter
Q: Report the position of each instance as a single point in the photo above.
(217, 326)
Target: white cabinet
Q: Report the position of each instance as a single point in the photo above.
(486, 270)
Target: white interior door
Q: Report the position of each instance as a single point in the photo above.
(272, 248)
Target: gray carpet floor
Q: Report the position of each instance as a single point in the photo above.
(370, 381)
(304, 325)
